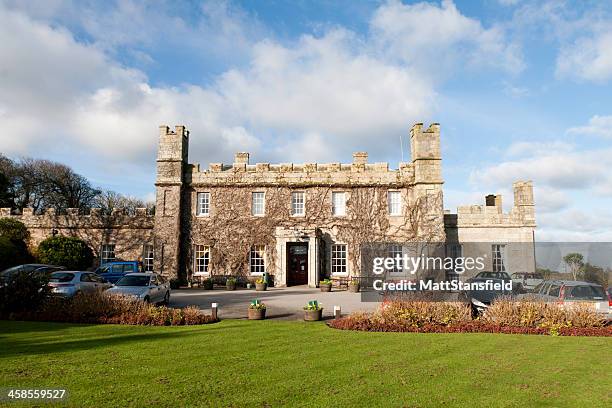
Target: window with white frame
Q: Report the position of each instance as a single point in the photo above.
(147, 256)
(338, 203)
(298, 205)
(338, 259)
(258, 203)
(203, 204)
(499, 253)
(394, 199)
(394, 251)
(201, 259)
(257, 260)
(107, 253)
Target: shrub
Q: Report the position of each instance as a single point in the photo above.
(100, 307)
(71, 252)
(175, 283)
(207, 283)
(527, 313)
(231, 281)
(504, 316)
(23, 291)
(13, 229)
(13, 247)
(325, 282)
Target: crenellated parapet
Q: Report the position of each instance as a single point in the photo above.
(491, 214)
(72, 218)
(359, 173)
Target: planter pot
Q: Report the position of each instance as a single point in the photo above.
(313, 315)
(230, 286)
(261, 287)
(353, 288)
(257, 314)
(325, 288)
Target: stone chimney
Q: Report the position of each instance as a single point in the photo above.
(494, 200)
(241, 158)
(360, 157)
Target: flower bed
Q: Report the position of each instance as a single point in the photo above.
(100, 307)
(503, 317)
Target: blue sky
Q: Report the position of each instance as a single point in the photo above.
(523, 90)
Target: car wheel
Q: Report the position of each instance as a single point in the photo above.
(166, 298)
(146, 299)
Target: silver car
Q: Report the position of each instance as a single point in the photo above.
(567, 292)
(149, 287)
(70, 283)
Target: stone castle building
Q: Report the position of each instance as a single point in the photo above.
(298, 222)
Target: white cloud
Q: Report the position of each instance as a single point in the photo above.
(588, 58)
(566, 179)
(597, 126)
(574, 225)
(579, 170)
(440, 37)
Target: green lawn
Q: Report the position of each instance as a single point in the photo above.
(268, 363)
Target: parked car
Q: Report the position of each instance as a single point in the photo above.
(479, 300)
(567, 292)
(30, 269)
(528, 280)
(70, 283)
(113, 271)
(147, 286)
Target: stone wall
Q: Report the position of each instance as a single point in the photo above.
(129, 233)
(478, 227)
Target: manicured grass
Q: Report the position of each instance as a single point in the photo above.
(268, 363)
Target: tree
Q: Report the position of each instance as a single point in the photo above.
(595, 274)
(41, 184)
(575, 262)
(109, 200)
(71, 252)
(6, 196)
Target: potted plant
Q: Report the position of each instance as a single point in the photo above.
(257, 310)
(353, 286)
(325, 285)
(207, 284)
(313, 311)
(261, 285)
(230, 283)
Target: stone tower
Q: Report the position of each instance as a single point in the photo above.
(171, 162)
(523, 201)
(427, 164)
(425, 151)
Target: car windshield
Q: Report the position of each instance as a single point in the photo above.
(61, 277)
(584, 292)
(133, 281)
(16, 269)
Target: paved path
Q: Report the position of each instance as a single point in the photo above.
(282, 303)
